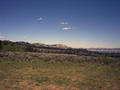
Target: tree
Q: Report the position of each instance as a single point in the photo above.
(1, 45)
(29, 49)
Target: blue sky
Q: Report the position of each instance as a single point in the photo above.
(76, 23)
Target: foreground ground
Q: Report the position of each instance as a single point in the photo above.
(32, 71)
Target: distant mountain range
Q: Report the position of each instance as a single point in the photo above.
(52, 45)
(102, 50)
(105, 50)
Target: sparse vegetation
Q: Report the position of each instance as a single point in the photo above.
(41, 71)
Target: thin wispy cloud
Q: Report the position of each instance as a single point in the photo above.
(64, 23)
(39, 19)
(2, 37)
(67, 28)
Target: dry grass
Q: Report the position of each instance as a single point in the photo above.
(40, 74)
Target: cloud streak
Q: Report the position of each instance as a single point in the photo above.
(39, 19)
(2, 37)
(64, 23)
(67, 28)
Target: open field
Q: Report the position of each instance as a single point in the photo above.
(35, 71)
